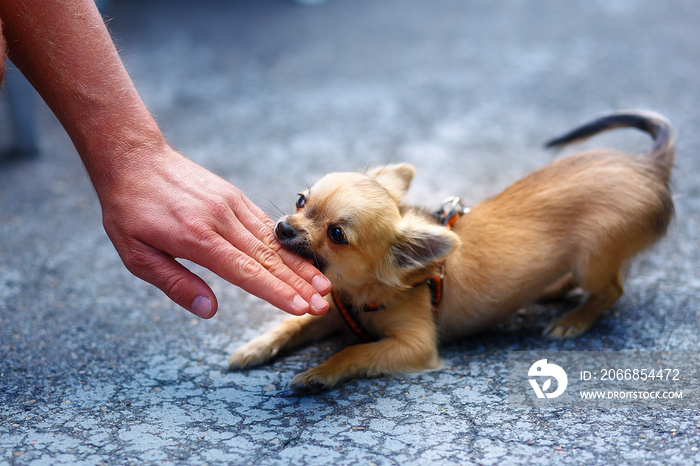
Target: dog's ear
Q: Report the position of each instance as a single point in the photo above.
(395, 178)
(419, 246)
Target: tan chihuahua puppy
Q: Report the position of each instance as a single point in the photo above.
(403, 281)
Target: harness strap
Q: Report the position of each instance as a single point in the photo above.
(351, 319)
(435, 285)
(452, 209)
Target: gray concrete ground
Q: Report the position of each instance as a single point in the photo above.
(97, 367)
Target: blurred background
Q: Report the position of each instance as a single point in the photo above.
(271, 95)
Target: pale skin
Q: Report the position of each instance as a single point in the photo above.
(157, 205)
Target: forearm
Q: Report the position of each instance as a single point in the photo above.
(157, 205)
(65, 50)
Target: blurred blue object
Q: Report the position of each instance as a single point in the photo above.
(22, 99)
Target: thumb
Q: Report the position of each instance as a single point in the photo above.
(172, 278)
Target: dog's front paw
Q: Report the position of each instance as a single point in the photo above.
(253, 353)
(312, 381)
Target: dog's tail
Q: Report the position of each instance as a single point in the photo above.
(657, 126)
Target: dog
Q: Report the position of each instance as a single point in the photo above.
(404, 281)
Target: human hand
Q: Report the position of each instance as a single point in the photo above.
(159, 207)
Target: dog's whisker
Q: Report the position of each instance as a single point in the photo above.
(269, 208)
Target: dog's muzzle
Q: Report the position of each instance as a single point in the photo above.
(284, 231)
(295, 240)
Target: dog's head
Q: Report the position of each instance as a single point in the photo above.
(355, 229)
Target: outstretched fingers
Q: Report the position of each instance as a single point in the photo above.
(264, 231)
(248, 254)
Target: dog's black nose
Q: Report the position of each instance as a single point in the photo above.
(284, 230)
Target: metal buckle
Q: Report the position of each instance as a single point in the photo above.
(451, 207)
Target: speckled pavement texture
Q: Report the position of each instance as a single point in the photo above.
(97, 367)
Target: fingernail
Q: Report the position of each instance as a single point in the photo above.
(320, 283)
(201, 307)
(318, 303)
(300, 306)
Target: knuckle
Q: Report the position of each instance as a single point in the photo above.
(197, 228)
(269, 259)
(234, 196)
(267, 236)
(174, 286)
(248, 268)
(220, 210)
(198, 234)
(137, 260)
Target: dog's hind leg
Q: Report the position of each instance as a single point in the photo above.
(604, 284)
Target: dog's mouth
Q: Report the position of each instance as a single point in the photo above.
(320, 264)
(295, 241)
(307, 254)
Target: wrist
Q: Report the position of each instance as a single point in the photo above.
(111, 154)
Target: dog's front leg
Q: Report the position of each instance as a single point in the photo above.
(289, 334)
(394, 354)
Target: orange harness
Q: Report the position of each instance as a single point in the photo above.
(452, 208)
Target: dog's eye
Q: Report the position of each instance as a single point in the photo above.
(301, 202)
(337, 235)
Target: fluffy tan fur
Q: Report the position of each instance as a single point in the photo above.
(576, 222)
